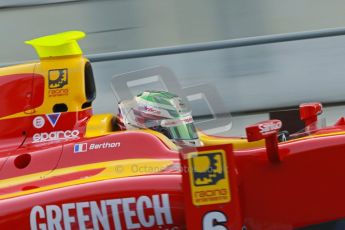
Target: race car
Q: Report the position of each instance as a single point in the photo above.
(63, 167)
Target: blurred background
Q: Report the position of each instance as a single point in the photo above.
(259, 55)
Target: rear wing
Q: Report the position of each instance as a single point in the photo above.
(210, 188)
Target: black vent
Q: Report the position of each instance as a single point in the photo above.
(90, 88)
(58, 108)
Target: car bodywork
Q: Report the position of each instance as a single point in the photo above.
(62, 167)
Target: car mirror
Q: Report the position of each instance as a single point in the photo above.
(267, 130)
(309, 112)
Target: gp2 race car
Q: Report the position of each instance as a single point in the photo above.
(62, 167)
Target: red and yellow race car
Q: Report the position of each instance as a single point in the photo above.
(62, 167)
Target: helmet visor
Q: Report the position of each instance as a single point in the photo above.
(181, 129)
(183, 132)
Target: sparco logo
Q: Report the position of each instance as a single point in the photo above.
(53, 136)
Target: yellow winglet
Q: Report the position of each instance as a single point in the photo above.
(56, 45)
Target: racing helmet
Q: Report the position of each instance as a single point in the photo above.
(161, 111)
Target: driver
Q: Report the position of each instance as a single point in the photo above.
(161, 111)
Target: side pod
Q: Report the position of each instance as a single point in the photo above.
(210, 188)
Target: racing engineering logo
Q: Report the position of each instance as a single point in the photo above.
(57, 78)
(207, 169)
(209, 178)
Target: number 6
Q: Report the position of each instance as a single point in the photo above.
(214, 221)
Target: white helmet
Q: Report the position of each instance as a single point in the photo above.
(160, 111)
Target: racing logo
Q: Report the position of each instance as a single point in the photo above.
(208, 169)
(209, 178)
(57, 78)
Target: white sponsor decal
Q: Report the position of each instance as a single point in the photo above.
(124, 213)
(83, 147)
(56, 135)
(268, 127)
(105, 145)
(214, 220)
(38, 122)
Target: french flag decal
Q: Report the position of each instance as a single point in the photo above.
(80, 148)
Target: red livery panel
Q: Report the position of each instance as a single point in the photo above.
(62, 167)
